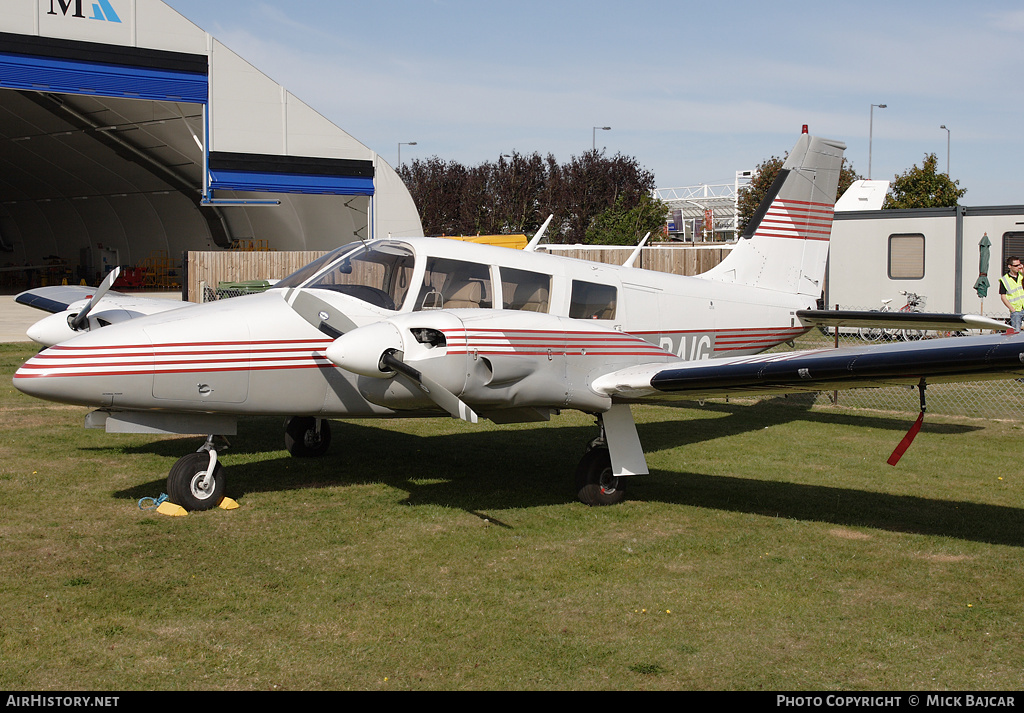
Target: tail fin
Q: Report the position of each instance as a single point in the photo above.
(785, 245)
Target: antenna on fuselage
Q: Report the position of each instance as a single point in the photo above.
(532, 245)
(636, 252)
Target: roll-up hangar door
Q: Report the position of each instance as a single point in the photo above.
(100, 157)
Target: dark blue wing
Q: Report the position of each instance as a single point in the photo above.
(935, 360)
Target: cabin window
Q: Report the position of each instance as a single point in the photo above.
(592, 301)
(525, 290)
(455, 284)
(303, 274)
(906, 256)
(378, 276)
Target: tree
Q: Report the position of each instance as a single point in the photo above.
(440, 190)
(593, 184)
(626, 226)
(518, 194)
(924, 187)
(753, 193)
(513, 189)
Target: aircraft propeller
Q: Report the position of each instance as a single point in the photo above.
(81, 320)
(374, 350)
(437, 393)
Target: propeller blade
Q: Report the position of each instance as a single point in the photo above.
(437, 393)
(327, 318)
(80, 320)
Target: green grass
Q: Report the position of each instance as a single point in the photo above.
(771, 549)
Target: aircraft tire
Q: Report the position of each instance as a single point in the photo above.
(183, 483)
(595, 484)
(302, 440)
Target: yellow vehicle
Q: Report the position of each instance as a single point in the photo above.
(517, 242)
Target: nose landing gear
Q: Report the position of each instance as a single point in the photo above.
(197, 481)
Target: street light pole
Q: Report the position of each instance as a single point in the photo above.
(871, 133)
(947, 149)
(400, 145)
(594, 135)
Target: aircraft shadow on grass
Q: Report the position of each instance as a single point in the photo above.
(480, 471)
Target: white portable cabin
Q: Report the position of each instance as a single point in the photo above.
(876, 254)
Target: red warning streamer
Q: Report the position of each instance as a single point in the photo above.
(907, 440)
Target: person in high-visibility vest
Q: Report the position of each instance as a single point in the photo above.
(1011, 291)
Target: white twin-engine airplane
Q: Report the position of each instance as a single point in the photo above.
(422, 326)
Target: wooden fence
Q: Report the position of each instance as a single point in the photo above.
(691, 259)
(211, 268)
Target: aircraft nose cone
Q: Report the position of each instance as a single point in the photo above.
(45, 376)
(360, 350)
(90, 369)
(51, 330)
(24, 382)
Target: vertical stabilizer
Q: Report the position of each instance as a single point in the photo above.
(785, 245)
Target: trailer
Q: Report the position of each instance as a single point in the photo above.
(880, 255)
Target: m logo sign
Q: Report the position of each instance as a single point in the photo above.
(101, 10)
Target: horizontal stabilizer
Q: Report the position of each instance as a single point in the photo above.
(897, 320)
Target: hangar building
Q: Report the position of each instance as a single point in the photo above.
(126, 131)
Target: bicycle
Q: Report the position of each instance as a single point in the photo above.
(915, 302)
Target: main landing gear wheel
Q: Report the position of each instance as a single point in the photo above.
(190, 485)
(595, 484)
(303, 439)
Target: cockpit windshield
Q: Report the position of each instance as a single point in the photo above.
(379, 275)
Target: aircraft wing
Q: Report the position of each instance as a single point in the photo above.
(75, 308)
(60, 298)
(935, 360)
(54, 299)
(897, 320)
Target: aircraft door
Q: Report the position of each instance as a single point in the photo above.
(214, 370)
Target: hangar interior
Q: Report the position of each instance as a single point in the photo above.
(130, 155)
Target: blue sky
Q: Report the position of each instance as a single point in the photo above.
(695, 91)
